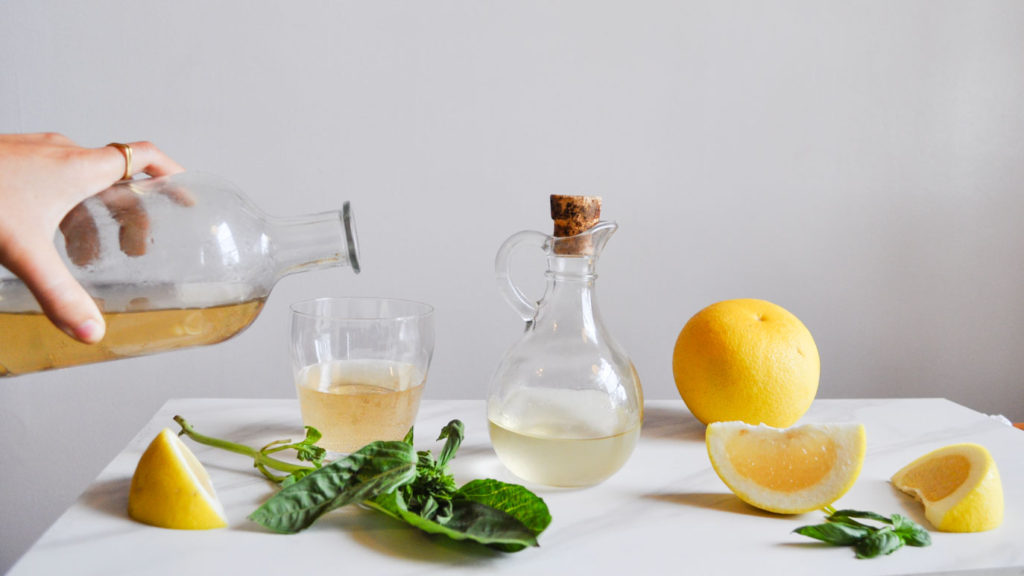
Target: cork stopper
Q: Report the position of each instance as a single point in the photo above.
(574, 215)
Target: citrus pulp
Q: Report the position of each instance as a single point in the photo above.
(959, 487)
(171, 489)
(788, 471)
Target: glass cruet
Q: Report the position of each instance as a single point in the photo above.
(173, 262)
(565, 406)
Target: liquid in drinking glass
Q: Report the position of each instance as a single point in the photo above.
(355, 402)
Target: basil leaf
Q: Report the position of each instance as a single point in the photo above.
(453, 434)
(312, 435)
(308, 451)
(490, 526)
(295, 477)
(842, 515)
(912, 533)
(425, 459)
(834, 533)
(388, 504)
(512, 499)
(469, 521)
(879, 543)
(375, 469)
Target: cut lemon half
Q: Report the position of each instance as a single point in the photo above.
(171, 489)
(959, 486)
(787, 470)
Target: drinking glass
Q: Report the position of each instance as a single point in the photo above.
(360, 365)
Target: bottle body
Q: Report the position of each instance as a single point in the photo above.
(29, 342)
(565, 406)
(172, 263)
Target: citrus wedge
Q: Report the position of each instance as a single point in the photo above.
(787, 471)
(171, 489)
(959, 486)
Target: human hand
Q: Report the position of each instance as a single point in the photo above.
(42, 178)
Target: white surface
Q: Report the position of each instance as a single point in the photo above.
(665, 511)
(859, 163)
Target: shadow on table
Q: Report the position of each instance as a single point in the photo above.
(393, 538)
(390, 537)
(720, 501)
(672, 424)
(109, 497)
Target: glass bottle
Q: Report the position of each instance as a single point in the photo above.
(173, 262)
(565, 406)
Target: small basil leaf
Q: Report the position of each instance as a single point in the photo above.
(841, 515)
(835, 533)
(312, 435)
(429, 508)
(295, 477)
(880, 543)
(312, 454)
(912, 533)
(453, 434)
(425, 459)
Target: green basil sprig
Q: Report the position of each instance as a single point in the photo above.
(843, 529)
(392, 478)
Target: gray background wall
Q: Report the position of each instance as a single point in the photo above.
(859, 163)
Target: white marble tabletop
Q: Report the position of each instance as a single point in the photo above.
(665, 512)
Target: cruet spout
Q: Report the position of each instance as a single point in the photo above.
(587, 243)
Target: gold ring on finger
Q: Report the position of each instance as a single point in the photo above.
(127, 151)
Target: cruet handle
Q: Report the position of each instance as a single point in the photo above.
(503, 271)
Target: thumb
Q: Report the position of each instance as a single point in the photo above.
(61, 297)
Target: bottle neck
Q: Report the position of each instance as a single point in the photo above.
(572, 268)
(569, 299)
(312, 242)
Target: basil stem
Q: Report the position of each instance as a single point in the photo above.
(262, 461)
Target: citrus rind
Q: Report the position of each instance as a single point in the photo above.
(748, 360)
(171, 489)
(787, 471)
(958, 485)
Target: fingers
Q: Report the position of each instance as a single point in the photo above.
(48, 138)
(81, 237)
(61, 297)
(133, 222)
(179, 195)
(148, 159)
(81, 234)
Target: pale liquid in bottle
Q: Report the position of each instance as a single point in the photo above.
(29, 342)
(355, 402)
(563, 437)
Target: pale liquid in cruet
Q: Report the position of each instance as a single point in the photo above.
(563, 437)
